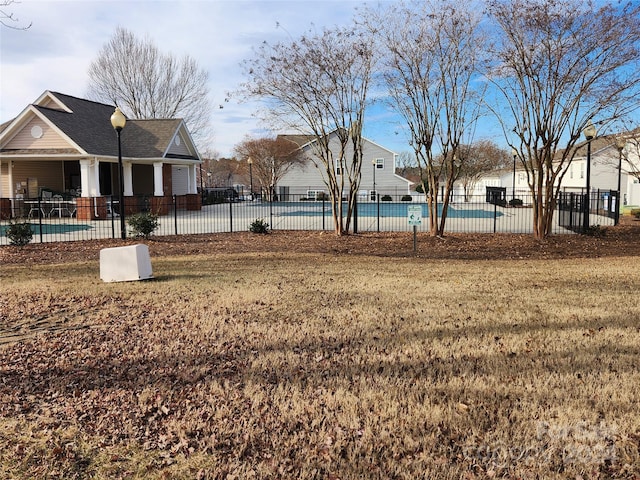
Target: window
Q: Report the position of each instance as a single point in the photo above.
(571, 171)
(340, 166)
(582, 170)
(379, 162)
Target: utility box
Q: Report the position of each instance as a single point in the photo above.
(125, 264)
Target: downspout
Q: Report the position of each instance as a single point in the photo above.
(96, 177)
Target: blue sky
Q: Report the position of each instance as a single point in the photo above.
(65, 36)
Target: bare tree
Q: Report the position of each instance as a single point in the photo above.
(478, 159)
(145, 83)
(430, 54)
(272, 158)
(318, 84)
(8, 19)
(560, 64)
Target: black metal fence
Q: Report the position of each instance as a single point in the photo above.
(479, 214)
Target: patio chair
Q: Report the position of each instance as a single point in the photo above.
(39, 207)
(59, 206)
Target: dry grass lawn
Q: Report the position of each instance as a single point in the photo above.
(321, 366)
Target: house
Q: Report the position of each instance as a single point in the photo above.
(377, 177)
(604, 172)
(67, 145)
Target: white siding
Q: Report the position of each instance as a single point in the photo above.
(310, 177)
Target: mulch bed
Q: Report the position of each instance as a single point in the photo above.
(621, 240)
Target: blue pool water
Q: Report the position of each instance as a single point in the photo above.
(310, 209)
(55, 228)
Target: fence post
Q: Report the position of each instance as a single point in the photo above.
(495, 215)
(174, 199)
(271, 208)
(113, 222)
(378, 210)
(40, 218)
(230, 216)
(323, 211)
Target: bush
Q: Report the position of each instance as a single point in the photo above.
(406, 198)
(19, 233)
(259, 226)
(595, 231)
(515, 202)
(636, 213)
(386, 198)
(143, 224)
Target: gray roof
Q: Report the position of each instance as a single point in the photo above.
(89, 126)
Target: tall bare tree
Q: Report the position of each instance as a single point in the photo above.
(318, 84)
(479, 158)
(146, 83)
(272, 158)
(560, 64)
(430, 56)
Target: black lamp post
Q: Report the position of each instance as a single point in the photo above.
(250, 162)
(514, 152)
(118, 120)
(374, 194)
(589, 133)
(620, 144)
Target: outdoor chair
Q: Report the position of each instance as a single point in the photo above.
(59, 206)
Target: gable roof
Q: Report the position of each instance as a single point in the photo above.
(87, 124)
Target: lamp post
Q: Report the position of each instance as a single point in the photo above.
(514, 152)
(374, 194)
(589, 133)
(620, 144)
(118, 121)
(250, 162)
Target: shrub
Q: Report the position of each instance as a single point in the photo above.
(595, 231)
(259, 226)
(143, 224)
(406, 198)
(636, 213)
(386, 198)
(19, 233)
(515, 202)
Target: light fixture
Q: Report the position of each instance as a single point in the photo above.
(118, 121)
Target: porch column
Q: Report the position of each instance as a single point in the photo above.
(127, 168)
(10, 182)
(193, 187)
(158, 186)
(89, 178)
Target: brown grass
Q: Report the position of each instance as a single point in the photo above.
(316, 366)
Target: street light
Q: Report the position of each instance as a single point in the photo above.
(620, 144)
(250, 162)
(589, 133)
(514, 152)
(118, 121)
(374, 194)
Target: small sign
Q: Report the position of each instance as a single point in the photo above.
(414, 214)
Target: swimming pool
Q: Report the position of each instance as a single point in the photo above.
(391, 210)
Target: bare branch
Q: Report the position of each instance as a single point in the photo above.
(145, 83)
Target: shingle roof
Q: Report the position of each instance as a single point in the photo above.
(89, 126)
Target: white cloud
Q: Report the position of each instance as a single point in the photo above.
(65, 36)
